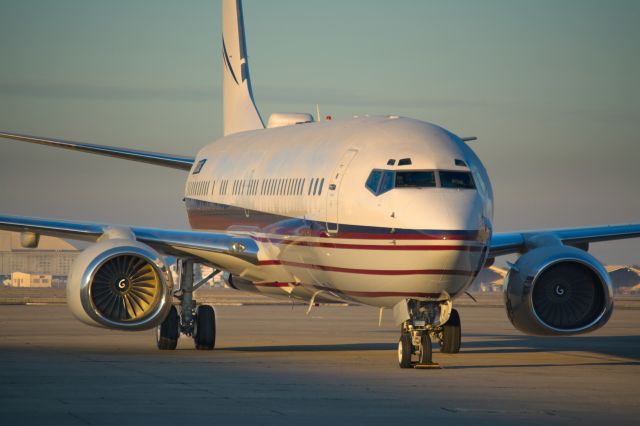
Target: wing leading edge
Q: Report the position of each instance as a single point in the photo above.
(158, 159)
(176, 242)
(516, 242)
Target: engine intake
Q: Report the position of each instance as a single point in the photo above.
(121, 284)
(558, 290)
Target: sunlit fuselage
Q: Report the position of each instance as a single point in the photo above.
(300, 192)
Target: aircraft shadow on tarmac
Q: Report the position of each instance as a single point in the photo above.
(618, 346)
(316, 348)
(627, 347)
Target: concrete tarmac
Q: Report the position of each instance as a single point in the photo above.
(275, 365)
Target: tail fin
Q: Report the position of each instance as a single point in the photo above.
(240, 112)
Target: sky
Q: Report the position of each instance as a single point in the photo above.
(550, 88)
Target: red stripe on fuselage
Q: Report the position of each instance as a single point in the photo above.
(294, 242)
(378, 271)
(378, 293)
(368, 271)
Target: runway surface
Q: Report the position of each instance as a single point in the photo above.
(274, 365)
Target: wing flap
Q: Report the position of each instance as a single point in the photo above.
(158, 159)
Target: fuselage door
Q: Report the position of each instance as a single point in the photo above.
(333, 190)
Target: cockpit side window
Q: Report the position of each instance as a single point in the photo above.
(374, 181)
(458, 180)
(199, 166)
(387, 181)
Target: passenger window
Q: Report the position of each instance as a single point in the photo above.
(310, 186)
(321, 184)
(315, 187)
(421, 179)
(458, 180)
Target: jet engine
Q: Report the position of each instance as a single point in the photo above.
(120, 284)
(558, 290)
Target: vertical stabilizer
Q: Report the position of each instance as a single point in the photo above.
(240, 112)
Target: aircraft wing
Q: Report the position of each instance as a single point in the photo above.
(228, 247)
(158, 159)
(516, 242)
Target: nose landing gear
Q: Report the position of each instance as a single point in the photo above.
(415, 342)
(421, 322)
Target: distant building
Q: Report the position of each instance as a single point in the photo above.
(625, 279)
(21, 279)
(489, 280)
(53, 256)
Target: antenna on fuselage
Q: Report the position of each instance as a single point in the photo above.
(318, 116)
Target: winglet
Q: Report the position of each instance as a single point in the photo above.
(240, 112)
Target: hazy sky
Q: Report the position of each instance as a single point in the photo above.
(551, 88)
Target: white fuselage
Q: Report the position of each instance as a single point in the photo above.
(300, 192)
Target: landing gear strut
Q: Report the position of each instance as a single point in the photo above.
(198, 322)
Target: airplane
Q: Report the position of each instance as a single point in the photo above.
(386, 211)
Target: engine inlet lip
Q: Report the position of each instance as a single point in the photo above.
(600, 272)
(99, 261)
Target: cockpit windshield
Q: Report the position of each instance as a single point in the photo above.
(459, 180)
(381, 181)
(418, 179)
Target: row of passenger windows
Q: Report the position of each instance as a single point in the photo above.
(280, 186)
(381, 181)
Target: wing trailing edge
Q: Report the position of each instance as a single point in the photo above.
(159, 159)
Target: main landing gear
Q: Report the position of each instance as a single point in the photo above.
(426, 321)
(192, 320)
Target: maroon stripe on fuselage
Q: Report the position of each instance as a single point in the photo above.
(368, 271)
(370, 246)
(378, 293)
(379, 271)
(219, 217)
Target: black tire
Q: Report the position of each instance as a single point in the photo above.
(168, 331)
(205, 328)
(451, 334)
(404, 350)
(425, 350)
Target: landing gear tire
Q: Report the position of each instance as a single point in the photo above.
(451, 334)
(404, 350)
(168, 332)
(204, 335)
(425, 350)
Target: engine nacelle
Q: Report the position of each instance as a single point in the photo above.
(558, 290)
(120, 284)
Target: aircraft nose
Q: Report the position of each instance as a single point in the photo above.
(464, 210)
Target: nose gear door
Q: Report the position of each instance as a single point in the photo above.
(333, 190)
